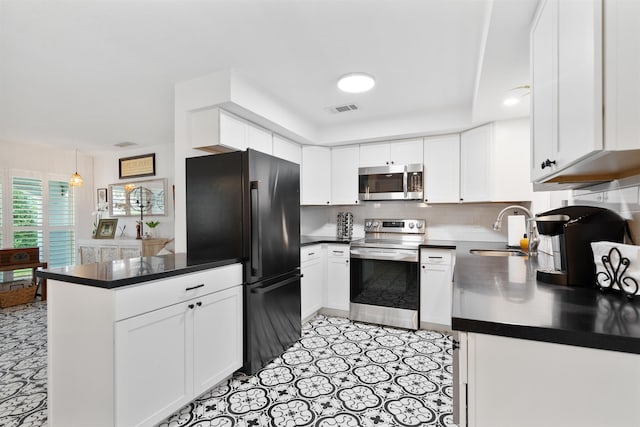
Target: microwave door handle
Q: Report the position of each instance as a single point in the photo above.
(256, 256)
(404, 182)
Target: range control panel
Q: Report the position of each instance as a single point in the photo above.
(404, 226)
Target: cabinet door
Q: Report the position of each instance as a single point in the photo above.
(311, 286)
(129, 252)
(217, 337)
(510, 179)
(475, 152)
(88, 255)
(109, 253)
(153, 368)
(259, 139)
(315, 181)
(442, 169)
(374, 154)
(233, 132)
(579, 79)
(406, 152)
(435, 294)
(344, 175)
(338, 277)
(287, 150)
(543, 90)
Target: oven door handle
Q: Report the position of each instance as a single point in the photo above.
(385, 255)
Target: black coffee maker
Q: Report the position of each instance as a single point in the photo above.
(572, 229)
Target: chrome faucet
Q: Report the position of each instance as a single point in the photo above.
(532, 232)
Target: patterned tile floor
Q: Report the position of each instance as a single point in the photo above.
(23, 365)
(341, 373)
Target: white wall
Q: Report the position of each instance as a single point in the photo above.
(40, 158)
(106, 172)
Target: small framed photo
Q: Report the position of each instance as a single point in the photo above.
(106, 228)
(137, 166)
(102, 197)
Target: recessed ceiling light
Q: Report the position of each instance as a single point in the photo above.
(511, 102)
(356, 82)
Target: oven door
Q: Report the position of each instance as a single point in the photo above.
(385, 286)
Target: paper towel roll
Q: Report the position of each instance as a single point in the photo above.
(517, 229)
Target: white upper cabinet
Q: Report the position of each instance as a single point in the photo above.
(510, 181)
(391, 153)
(344, 175)
(442, 169)
(215, 130)
(585, 104)
(476, 147)
(285, 149)
(259, 139)
(315, 179)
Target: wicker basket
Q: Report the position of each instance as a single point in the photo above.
(22, 295)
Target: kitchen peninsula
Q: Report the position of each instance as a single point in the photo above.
(130, 341)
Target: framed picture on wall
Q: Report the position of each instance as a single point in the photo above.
(137, 166)
(106, 228)
(102, 197)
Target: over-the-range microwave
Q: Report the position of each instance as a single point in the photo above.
(394, 182)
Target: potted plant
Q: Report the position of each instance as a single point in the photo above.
(152, 225)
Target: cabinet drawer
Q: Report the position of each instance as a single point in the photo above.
(436, 256)
(309, 253)
(338, 251)
(149, 296)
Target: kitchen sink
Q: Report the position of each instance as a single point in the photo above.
(498, 252)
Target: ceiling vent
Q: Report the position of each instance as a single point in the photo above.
(125, 144)
(343, 108)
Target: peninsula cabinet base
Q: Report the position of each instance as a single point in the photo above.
(515, 382)
(132, 356)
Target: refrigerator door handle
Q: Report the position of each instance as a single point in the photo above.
(275, 286)
(256, 256)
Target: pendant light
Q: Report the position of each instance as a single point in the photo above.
(76, 180)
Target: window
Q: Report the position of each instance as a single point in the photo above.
(61, 248)
(40, 213)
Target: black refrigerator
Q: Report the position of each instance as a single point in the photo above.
(246, 205)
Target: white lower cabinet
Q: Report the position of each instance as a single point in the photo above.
(139, 353)
(311, 284)
(436, 275)
(338, 277)
(326, 279)
(511, 381)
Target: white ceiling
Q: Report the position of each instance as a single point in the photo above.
(92, 73)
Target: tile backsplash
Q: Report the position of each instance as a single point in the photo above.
(473, 221)
(457, 221)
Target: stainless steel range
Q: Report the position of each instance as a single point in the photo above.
(385, 286)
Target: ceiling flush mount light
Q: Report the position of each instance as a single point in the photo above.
(356, 82)
(76, 180)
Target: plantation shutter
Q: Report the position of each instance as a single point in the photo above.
(61, 224)
(27, 201)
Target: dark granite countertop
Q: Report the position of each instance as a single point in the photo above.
(501, 296)
(314, 240)
(123, 272)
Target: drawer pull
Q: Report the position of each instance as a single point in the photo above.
(338, 252)
(199, 303)
(311, 253)
(435, 257)
(191, 306)
(195, 287)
